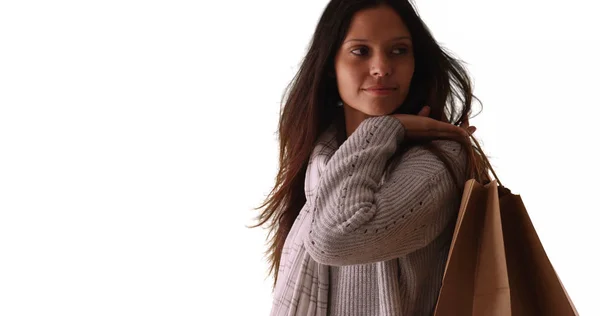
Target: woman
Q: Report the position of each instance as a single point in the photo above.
(372, 166)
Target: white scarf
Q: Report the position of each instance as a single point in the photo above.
(303, 287)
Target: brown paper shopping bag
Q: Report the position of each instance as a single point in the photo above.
(497, 265)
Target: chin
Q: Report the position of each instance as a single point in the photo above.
(375, 107)
(379, 110)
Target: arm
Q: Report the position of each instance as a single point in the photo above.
(356, 221)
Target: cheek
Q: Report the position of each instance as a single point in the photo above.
(349, 77)
(405, 73)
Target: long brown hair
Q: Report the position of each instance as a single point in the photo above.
(308, 108)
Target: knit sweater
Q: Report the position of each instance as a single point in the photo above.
(371, 239)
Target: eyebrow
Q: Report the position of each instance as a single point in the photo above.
(364, 40)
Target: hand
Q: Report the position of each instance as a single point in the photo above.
(421, 126)
(469, 128)
(465, 124)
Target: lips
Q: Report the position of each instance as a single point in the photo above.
(380, 91)
(380, 88)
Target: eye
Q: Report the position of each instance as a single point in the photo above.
(362, 49)
(402, 49)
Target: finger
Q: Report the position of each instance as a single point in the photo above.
(453, 130)
(444, 118)
(444, 135)
(462, 133)
(440, 129)
(465, 123)
(444, 127)
(424, 111)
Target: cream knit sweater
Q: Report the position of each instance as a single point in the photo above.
(370, 241)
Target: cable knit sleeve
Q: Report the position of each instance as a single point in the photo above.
(358, 220)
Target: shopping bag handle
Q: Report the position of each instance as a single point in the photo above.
(487, 162)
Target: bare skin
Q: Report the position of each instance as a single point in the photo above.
(421, 126)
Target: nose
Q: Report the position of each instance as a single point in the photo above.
(381, 66)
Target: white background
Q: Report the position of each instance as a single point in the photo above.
(137, 136)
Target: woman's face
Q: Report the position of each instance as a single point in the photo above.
(376, 54)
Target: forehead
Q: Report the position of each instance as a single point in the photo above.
(379, 22)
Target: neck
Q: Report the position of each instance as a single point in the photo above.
(353, 118)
